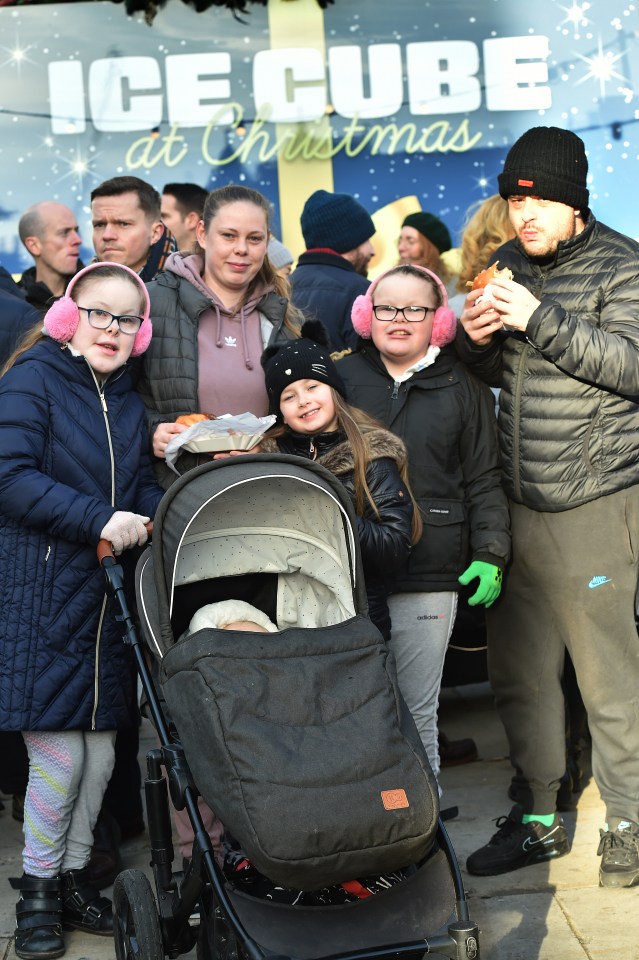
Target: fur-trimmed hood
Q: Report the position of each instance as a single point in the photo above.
(381, 443)
(339, 459)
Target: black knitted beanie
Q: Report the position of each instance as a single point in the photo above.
(547, 162)
(306, 358)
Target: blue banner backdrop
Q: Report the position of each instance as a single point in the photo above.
(407, 99)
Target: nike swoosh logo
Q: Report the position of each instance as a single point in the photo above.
(529, 843)
(598, 581)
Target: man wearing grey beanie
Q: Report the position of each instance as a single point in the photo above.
(561, 337)
(332, 272)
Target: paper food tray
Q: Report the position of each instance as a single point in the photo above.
(239, 432)
(219, 444)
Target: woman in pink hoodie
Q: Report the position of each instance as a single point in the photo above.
(214, 311)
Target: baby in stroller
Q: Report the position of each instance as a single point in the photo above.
(231, 615)
(238, 869)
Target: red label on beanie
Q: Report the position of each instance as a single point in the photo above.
(525, 183)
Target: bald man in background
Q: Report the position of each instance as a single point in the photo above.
(49, 231)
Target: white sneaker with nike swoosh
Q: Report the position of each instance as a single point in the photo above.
(518, 844)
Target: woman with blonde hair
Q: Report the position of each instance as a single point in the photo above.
(213, 313)
(487, 227)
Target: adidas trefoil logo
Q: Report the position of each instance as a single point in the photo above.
(230, 341)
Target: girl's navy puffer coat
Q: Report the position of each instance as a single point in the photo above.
(71, 453)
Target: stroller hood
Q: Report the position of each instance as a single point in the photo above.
(266, 515)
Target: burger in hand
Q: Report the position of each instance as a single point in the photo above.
(483, 280)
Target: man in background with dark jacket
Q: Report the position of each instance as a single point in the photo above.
(562, 340)
(50, 232)
(127, 227)
(332, 272)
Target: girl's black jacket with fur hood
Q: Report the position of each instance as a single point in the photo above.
(385, 541)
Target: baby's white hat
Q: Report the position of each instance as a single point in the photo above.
(219, 615)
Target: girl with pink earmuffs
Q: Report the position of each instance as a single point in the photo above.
(406, 374)
(75, 467)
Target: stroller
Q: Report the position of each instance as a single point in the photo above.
(292, 737)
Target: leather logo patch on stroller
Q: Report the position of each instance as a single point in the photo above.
(394, 799)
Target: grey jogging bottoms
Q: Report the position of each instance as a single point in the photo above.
(572, 583)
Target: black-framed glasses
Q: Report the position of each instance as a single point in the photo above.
(386, 313)
(101, 319)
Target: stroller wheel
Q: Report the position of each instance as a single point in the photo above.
(136, 924)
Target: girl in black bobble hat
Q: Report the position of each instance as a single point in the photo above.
(308, 396)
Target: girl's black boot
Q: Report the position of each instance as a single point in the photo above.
(83, 908)
(38, 917)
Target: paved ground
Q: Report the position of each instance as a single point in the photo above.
(547, 912)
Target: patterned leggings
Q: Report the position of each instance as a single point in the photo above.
(68, 774)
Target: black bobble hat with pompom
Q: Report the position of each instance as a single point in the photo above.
(307, 358)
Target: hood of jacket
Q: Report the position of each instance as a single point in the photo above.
(337, 454)
(381, 443)
(190, 267)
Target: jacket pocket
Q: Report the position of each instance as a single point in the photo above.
(592, 452)
(47, 573)
(444, 544)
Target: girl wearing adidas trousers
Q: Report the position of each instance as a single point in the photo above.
(74, 468)
(403, 374)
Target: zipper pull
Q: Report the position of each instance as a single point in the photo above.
(103, 401)
(395, 392)
(312, 450)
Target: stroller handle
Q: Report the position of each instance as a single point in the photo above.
(105, 547)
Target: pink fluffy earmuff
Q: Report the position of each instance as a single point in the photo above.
(444, 321)
(62, 318)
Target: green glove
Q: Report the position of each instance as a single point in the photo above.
(490, 577)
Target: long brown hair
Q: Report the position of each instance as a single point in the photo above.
(266, 275)
(355, 424)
